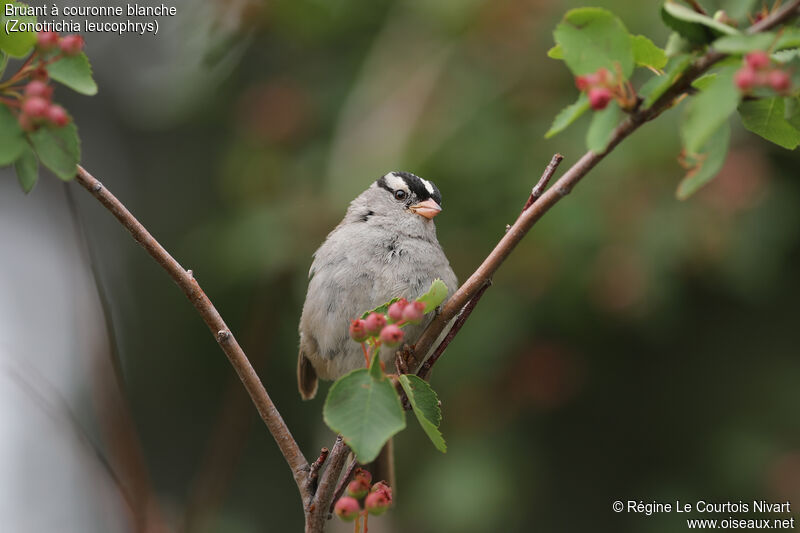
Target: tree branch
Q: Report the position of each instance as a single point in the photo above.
(571, 177)
(317, 510)
(258, 394)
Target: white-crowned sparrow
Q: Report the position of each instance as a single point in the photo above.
(385, 247)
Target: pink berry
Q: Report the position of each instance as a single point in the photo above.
(357, 489)
(745, 78)
(38, 88)
(71, 45)
(363, 475)
(414, 312)
(757, 60)
(376, 503)
(358, 330)
(374, 323)
(582, 82)
(47, 40)
(779, 80)
(396, 310)
(347, 508)
(35, 107)
(599, 98)
(381, 486)
(391, 335)
(57, 115)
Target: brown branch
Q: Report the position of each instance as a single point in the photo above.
(425, 369)
(317, 510)
(343, 483)
(537, 191)
(571, 177)
(269, 413)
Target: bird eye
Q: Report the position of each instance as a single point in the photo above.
(400, 194)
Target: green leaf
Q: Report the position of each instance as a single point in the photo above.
(365, 410)
(646, 54)
(697, 28)
(765, 117)
(425, 405)
(791, 111)
(12, 139)
(27, 168)
(556, 52)
(75, 72)
(381, 309)
(16, 43)
(704, 81)
(601, 128)
(591, 38)
(708, 163)
(677, 45)
(742, 44)
(568, 115)
(658, 85)
(708, 110)
(435, 295)
(58, 149)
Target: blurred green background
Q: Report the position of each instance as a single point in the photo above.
(632, 347)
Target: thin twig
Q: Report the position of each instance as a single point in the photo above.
(425, 369)
(317, 511)
(537, 191)
(313, 473)
(343, 482)
(571, 177)
(185, 280)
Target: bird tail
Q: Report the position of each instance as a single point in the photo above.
(306, 377)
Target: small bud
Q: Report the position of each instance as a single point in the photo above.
(779, 80)
(582, 83)
(374, 323)
(391, 335)
(414, 312)
(71, 45)
(57, 115)
(358, 330)
(357, 489)
(35, 107)
(377, 503)
(38, 88)
(396, 310)
(599, 98)
(745, 78)
(47, 40)
(757, 60)
(347, 508)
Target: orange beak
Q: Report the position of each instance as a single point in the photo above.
(428, 209)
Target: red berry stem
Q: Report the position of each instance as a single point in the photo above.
(366, 355)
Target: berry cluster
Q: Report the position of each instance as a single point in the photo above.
(29, 90)
(377, 498)
(379, 328)
(759, 71)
